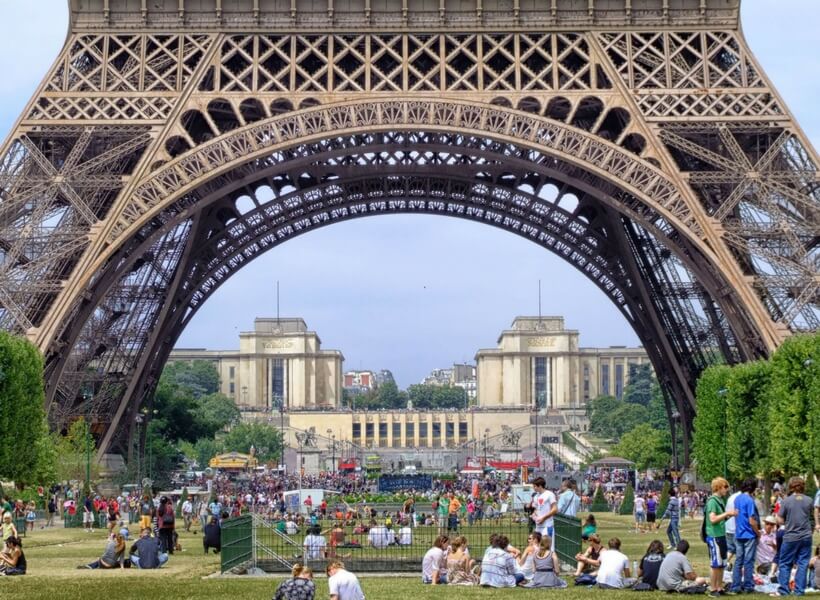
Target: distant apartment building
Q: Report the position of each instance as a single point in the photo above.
(459, 375)
(359, 382)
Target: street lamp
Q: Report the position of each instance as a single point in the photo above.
(333, 448)
(486, 435)
(245, 396)
(148, 416)
(675, 416)
(722, 393)
(87, 396)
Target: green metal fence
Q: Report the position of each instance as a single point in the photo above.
(265, 544)
(567, 538)
(237, 542)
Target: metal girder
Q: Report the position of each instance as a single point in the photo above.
(697, 198)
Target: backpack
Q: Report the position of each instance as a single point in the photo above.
(721, 505)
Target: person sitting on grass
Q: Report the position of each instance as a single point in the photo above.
(12, 560)
(676, 574)
(145, 552)
(459, 563)
(650, 564)
(613, 571)
(590, 527)
(547, 567)
(301, 587)
(589, 560)
(212, 536)
(379, 535)
(112, 557)
(498, 565)
(434, 563)
(343, 584)
(525, 562)
(314, 544)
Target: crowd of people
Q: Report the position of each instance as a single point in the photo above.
(746, 552)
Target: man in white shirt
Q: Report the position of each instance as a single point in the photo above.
(405, 537)
(434, 563)
(379, 536)
(614, 570)
(730, 528)
(188, 512)
(343, 585)
(314, 544)
(544, 508)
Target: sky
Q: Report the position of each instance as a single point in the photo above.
(414, 293)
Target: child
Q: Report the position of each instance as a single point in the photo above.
(590, 527)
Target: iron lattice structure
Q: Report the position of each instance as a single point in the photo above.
(174, 141)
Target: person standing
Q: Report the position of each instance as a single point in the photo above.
(188, 512)
(166, 522)
(672, 513)
(640, 513)
(795, 513)
(88, 515)
(568, 500)
(715, 517)
(651, 511)
(52, 510)
(730, 528)
(747, 530)
(343, 584)
(453, 507)
(544, 508)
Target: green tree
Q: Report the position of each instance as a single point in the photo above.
(747, 429)
(664, 499)
(644, 446)
(205, 449)
(266, 440)
(793, 405)
(22, 417)
(600, 415)
(198, 378)
(709, 437)
(639, 388)
(628, 503)
(599, 503)
(218, 411)
(73, 451)
(389, 396)
(162, 457)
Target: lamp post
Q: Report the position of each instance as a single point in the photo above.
(139, 419)
(245, 396)
(486, 435)
(148, 416)
(87, 397)
(333, 448)
(675, 416)
(722, 393)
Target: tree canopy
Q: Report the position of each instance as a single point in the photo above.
(761, 418)
(24, 455)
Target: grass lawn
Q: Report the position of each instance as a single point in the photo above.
(53, 556)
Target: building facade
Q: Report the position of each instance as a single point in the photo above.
(279, 364)
(538, 364)
(536, 377)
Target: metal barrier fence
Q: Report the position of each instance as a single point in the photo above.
(567, 538)
(237, 543)
(252, 540)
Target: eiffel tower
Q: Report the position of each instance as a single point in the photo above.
(174, 141)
